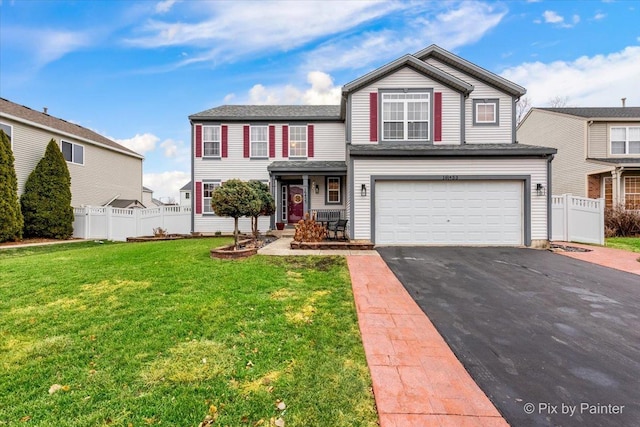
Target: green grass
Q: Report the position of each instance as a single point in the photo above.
(627, 243)
(159, 333)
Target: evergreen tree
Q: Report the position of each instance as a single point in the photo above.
(11, 222)
(46, 201)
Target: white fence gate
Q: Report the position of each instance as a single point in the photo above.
(106, 222)
(577, 219)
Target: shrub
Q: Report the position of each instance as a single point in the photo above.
(46, 201)
(11, 221)
(267, 204)
(235, 199)
(620, 222)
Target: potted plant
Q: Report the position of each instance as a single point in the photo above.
(280, 225)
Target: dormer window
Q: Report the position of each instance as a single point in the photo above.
(625, 140)
(406, 116)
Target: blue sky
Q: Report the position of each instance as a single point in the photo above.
(135, 70)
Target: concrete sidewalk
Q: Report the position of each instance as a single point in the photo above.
(417, 380)
(608, 257)
(282, 247)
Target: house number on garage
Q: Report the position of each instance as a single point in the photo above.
(449, 177)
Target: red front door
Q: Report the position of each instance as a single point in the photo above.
(295, 204)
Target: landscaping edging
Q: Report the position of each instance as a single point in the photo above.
(328, 245)
(154, 238)
(228, 252)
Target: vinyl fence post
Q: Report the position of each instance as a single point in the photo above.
(567, 216)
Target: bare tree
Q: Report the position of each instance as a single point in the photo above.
(559, 101)
(522, 107)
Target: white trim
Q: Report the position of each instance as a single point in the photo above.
(492, 104)
(339, 201)
(306, 142)
(205, 205)
(219, 141)
(626, 141)
(73, 152)
(405, 114)
(69, 135)
(10, 136)
(266, 141)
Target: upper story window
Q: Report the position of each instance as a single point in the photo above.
(8, 129)
(406, 116)
(211, 141)
(297, 141)
(259, 141)
(73, 153)
(208, 187)
(625, 140)
(485, 112)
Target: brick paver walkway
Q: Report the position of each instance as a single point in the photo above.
(417, 380)
(608, 257)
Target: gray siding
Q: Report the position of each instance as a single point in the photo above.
(104, 175)
(598, 137)
(567, 134)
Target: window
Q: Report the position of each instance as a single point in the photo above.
(625, 140)
(334, 193)
(73, 153)
(187, 196)
(632, 192)
(259, 141)
(207, 190)
(8, 129)
(405, 116)
(211, 141)
(485, 112)
(297, 141)
(608, 192)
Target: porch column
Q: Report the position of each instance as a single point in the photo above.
(616, 189)
(307, 199)
(273, 184)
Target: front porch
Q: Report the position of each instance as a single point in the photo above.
(618, 187)
(317, 188)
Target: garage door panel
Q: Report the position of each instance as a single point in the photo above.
(449, 212)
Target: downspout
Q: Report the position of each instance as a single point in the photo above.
(549, 194)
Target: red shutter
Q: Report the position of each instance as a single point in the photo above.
(246, 141)
(373, 117)
(225, 141)
(272, 141)
(198, 188)
(437, 117)
(285, 141)
(310, 141)
(198, 131)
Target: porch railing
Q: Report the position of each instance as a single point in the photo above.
(328, 214)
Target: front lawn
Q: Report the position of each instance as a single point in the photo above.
(160, 334)
(627, 243)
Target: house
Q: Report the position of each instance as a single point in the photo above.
(598, 150)
(420, 151)
(101, 170)
(148, 200)
(185, 194)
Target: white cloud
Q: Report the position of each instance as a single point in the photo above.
(597, 81)
(229, 97)
(598, 16)
(449, 29)
(321, 91)
(170, 148)
(165, 6)
(236, 29)
(140, 143)
(551, 17)
(166, 184)
(45, 46)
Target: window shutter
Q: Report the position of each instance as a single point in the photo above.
(272, 141)
(246, 141)
(437, 117)
(198, 197)
(310, 141)
(198, 131)
(285, 141)
(225, 141)
(373, 117)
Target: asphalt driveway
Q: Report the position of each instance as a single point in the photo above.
(551, 340)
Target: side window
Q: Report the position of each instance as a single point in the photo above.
(334, 190)
(8, 130)
(73, 153)
(207, 191)
(486, 112)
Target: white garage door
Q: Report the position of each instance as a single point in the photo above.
(448, 212)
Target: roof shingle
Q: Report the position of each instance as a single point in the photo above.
(599, 112)
(270, 112)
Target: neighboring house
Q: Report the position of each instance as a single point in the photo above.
(148, 200)
(185, 194)
(420, 151)
(101, 169)
(598, 150)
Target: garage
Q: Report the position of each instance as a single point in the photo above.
(449, 212)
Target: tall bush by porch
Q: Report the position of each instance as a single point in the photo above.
(235, 199)
(46, 201)
(11, 221)
(267, 204)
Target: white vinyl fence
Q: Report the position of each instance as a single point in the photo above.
(106, 222)
(577, 219)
